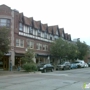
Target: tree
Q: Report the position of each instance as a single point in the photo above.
(56, 48)
(62, 49)
(83, 49)
(4, 41)
(59, 49)
(27, 60)
(72, 51)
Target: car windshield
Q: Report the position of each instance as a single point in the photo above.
(63, 63)
(76, 62)
(41, 65)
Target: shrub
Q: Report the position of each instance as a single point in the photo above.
(30, 67)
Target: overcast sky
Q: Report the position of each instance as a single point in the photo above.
(72, 15)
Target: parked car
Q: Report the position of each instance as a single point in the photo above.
(63, 66)
(73, 66)
(45, 67)
(86, 65)
(80, 64)
(89, 64)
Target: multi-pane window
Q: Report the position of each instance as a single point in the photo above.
(5, 23)
(39, 46)
(57, 32)
(38, 33)
(31, 44)
(45, 47)
(20, 26)
(62, 35)
(19, 43)
(50, 37)
(45, 35)
(30, 30)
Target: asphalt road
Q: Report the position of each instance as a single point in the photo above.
(57, 80)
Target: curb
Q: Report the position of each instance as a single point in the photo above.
(18, 73)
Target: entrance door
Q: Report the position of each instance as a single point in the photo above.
(5, 62)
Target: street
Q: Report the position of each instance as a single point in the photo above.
(58, 80)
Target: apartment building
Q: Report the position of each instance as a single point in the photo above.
(27, 33)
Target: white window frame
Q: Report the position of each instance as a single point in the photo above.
(19, 43)
(45, 47)
(31, 44)
(20, 27)
(39, 46)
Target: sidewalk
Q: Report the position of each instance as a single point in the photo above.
(5, 73)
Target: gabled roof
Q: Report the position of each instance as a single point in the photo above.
(55, 28)
(37, 24)
(31, 21)
(69, 37)
(44, 27)
(50, 29)
(61, 30)
(26, 21)
(20, 17)
(3, 6)
(66, 36)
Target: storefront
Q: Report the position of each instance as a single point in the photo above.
(42, 58)
(4, 63)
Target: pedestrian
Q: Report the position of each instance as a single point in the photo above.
(19, 65)
(10, 65)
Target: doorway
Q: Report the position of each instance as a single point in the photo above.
(5, 63)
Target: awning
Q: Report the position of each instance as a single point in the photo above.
(42, 55)
(19, 54)
(8, 54)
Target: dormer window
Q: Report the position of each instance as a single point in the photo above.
(57, 32)
(50, 37)
(38, 33)
(45, 35)
(30, 30)
(62, 35)
(55, 37)
(20, 27)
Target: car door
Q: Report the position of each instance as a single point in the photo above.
(67, 65)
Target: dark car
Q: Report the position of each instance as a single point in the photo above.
(64, 66)
(89, 64)
(45, 67)
(73, 66)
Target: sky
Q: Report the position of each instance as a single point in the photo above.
(72, 15)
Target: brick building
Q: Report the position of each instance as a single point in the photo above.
(28, 33)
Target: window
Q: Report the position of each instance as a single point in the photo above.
(45, 47)
(57, 32)
(31, 44)
(62, 35)
(39, 33)
(56, 37)
(45, 35)
(19, 43)
(50, 37)
(5, 23)
(39, 46)
(30, 30)
(20, 26)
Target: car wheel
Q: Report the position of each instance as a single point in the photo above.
(52, 70)
(69, 68)
(64, 68)
(45, 70)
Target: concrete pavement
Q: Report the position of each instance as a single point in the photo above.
(57, 80)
